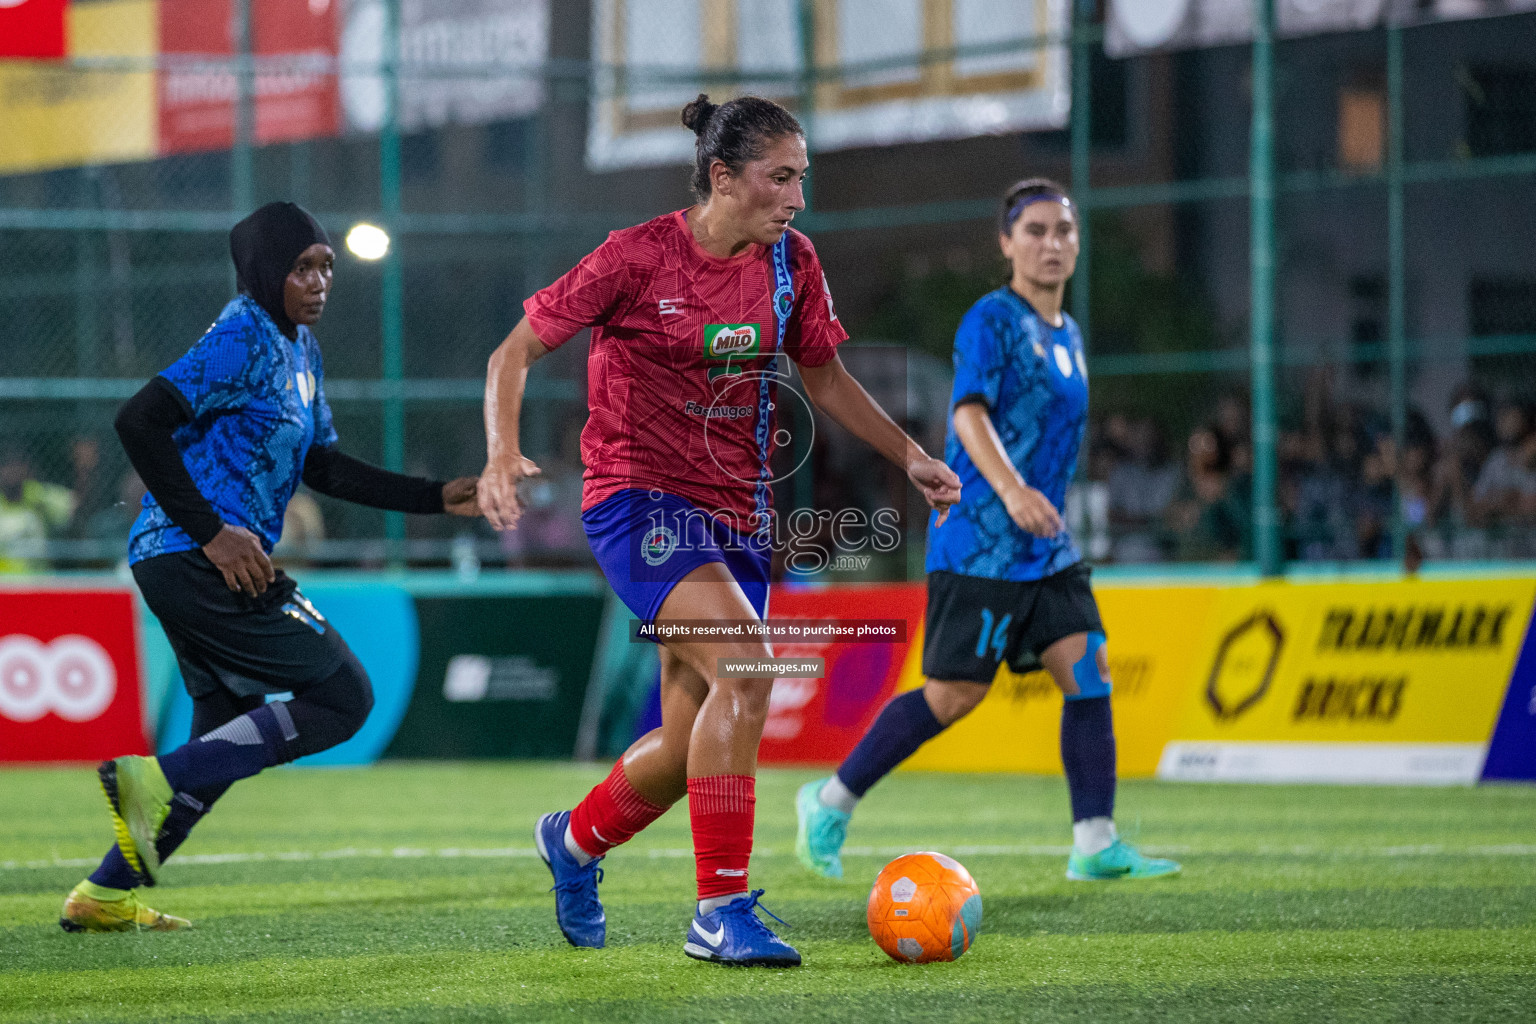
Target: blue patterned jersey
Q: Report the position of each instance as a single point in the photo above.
(258, 404)
(1034, 382)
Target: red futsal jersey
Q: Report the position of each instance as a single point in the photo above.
(680, 342)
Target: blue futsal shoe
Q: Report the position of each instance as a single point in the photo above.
(735, 936)
(577, 908)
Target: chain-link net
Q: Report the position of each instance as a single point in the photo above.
(520, 132)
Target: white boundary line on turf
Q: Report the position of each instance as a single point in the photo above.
(1016, 850)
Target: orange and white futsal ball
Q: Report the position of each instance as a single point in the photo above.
(924, 907)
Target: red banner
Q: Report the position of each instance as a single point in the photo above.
(69, 676)
(297, 100)
(32, 28)
(818, 721)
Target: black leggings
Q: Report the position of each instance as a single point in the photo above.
(324, 714)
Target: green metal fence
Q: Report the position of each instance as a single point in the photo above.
(1335, 291)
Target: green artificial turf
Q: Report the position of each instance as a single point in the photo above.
(410, 892)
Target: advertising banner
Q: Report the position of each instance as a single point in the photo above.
(1136, 26)
(69, 676)
(818, 721)
(654, 56)
(60, 116)
(1512, 751)
(1153, 652)
(298, 99)
(1350, 682)
(461, 61)
(33, 28)
(500, 676)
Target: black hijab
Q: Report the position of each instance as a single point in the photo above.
(265, 246)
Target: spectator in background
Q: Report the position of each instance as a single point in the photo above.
(1209, 518)
(94, 491)
(30, 512)
(1140, 487)
(1116, 429)
(1505, 480)
(1087, 503)
(1234, 420)
(303, 528)
(1373, 517)
(1414, 469)
(549, 533)
(1328, 498)
(1456, 473)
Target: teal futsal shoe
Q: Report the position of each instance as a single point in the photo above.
(823, 829)
(1117, 860)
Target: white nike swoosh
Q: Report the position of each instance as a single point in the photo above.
(715, 939)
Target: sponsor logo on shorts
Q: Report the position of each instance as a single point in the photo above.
(657, 545)
(293, 611)
(732, 341)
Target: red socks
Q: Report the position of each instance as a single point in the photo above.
(611, 814)
(722, 809)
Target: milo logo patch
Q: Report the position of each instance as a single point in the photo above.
(731, 341)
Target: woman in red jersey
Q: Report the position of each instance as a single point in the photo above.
(690, 313)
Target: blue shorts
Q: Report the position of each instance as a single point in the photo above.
(646, 541)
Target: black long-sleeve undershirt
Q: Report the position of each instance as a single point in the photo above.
(341, 476)
(146, 425)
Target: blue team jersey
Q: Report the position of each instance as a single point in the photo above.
(1034, 382)
(258, 404)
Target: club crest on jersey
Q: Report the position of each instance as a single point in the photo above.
(783, 302)
(1063, 360)
(306, 382)
(657, 545)
(732, 341)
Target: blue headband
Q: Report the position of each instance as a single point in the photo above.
(1038, 197)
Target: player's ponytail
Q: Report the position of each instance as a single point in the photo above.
(735, 133)
(696, 115)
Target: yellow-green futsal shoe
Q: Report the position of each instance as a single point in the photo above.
(1117, 860)
(139, 798)
(95, 908)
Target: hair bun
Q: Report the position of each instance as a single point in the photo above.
(696, 115)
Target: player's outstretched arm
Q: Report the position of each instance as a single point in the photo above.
(834, 391)
(1028, 508)
(333, 473)
(506, 378)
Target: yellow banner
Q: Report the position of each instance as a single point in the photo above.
(1414, 662)
(1383, 681)
(1153, 652)
(54, 115)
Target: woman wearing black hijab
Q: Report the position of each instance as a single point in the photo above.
(221, 439)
